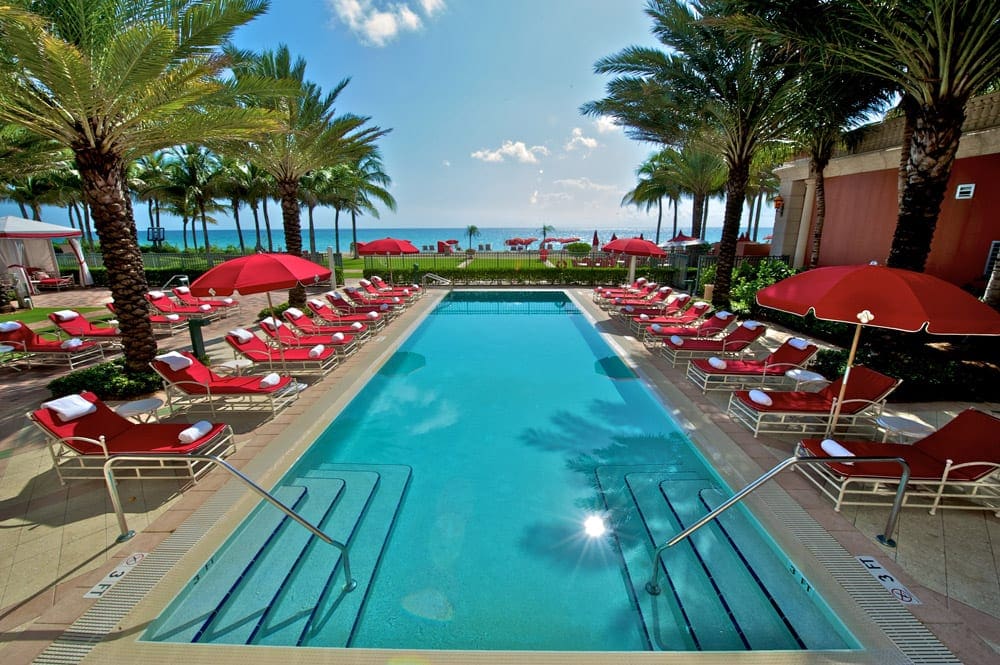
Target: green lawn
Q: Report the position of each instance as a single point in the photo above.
(505, 263)
(42, 313)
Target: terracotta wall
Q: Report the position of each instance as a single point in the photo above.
(861, 217)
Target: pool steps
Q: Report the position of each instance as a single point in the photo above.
(272, 574)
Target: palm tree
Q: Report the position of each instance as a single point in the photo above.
(698, 170)
(367, 181)
(147, 177)
(936, 53)
(472, 231)
(194, 169)
(114, 81)
(739, 88)
(312, 136)
(233, 183)
(546, 230)
(315, 189)
(656, 182)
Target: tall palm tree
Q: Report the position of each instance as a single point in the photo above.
(472, 231)
(195, 170)
(936, 53)
(656, 182)
(114, 80)
(367, 183)
(312, 136)
(147, 177)
(232, 183)
(741, 89)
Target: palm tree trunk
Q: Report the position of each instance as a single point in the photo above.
(70, 209)
(289, 190)
(194, 233)
(336, 230)
(156, 203)
(267, 225)
(739, 175)
(149, 212)
(36, 211)
(354, 234)
(103, 177)
(256, 224)
(704, 217)
(659, 218)
(697, 210)
(239, 229)
(24, 211)
(86, 221)
(756, 221)
(674, 203)
(204, 233)
(817, 167)
(936, 133)
(184, 230)
(312, 231)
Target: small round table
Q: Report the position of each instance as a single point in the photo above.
(235, 367)
(902, 428)
(141, 410)
(813, 380)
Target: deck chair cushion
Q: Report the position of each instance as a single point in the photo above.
(65, 314)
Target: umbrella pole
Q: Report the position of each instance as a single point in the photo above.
(843, 384)
(281, 347)
(631, 270)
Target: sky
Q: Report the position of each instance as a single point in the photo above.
(483, 99)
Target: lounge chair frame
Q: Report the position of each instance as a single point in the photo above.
(856, 422)
(74, 359)
(180, 397)
(772, 375)
(728, 348)
(274, 361)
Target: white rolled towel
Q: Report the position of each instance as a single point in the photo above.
(717, 363)
(270, 380)
(357, 325)
(9, 326)
(751, 325)
(644, 317)
(364, 282)
(182, 289)
(228, 301)
(629, 308)
(396, 299)
(834, 449)
(372, 315)
(701, 304)
(70, 407)
(317, 302)
(723, 315)
(760, 397)
(798, 343)
(384, 307)
(65, 315)
(664, 289)
(415, 287)
(406, 292)
(242, 334)
(332, 294)
(173, 317)
(71, 343)
(175, 361)
(295, 312)
(156, 295)
(317, 351)
(338, 336)
(618, 301)
(195, 432)
(656, 327)
(205, 308)
(641, 281)
(271, 323)
(676, 340)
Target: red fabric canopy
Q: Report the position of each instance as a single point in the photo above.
(386, 246)
(633, 247)
(256, 273)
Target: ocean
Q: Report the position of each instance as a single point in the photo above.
(427, 237)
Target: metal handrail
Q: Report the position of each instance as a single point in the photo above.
(437, 279)
(653, 585)
(109, 478)
(183, 280)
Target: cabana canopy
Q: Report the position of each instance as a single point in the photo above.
(25, 243)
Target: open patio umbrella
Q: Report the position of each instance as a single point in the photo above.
(633, 247)
(388, 247)
(681, 240)
(882, 297)
(595, 241)
(259, 273)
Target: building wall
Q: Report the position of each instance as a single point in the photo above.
(861, 219)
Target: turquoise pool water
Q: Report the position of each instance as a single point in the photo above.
(462, 476)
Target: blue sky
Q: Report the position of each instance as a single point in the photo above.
(483, 100)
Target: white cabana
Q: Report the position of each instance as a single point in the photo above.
(25, 243)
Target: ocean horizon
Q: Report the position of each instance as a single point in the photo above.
(424, 237)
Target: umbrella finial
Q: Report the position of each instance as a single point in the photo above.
(211, 292)
(865, 316)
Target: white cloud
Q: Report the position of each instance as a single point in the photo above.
(446, 163)
(586, 184)
(378, 22)
(578, 140)
(605, 124)
(544, 200)
(514, 149)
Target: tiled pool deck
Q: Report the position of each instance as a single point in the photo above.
(57, 542)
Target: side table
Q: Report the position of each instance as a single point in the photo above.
(141, 410)
(803, 377)
(902, 428)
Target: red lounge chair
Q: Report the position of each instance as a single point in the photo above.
(716, 324)
(48, 351)
(74, 324)
(326, 313)
(638, 288)
(751, 373)
(359, 298)
(731, 345)
(253, 348)
(955, 467)
(164, 305)
(656, 300)
(347, 307)
(674, 314)
(306, 326)
(281, 334)
(80, 446)
(44, 280)
(797, 411)
(225, 306)
(382, 285)
(168, 323)
(404, 292)
(196, 385)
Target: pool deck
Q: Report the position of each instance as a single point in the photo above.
(57, 542)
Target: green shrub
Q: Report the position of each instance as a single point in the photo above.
(578, 248)
(748, 279)
(273, 311)
(110, 381)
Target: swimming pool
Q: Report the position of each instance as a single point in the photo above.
(463, 473)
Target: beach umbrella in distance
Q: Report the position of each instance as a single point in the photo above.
(681, 240)
(259, 273)
(613, 236)
(596, 241)
(881, 297)
(633, 247)
(388, 247)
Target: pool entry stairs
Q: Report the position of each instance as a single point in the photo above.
(279, 584)
(716, 585)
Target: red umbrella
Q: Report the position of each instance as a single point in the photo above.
(633, 247)
(681, 240)
(514, 241)
(451, 242)
(388, 246)
(873, 295)
(613, 237)
(596, 241)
